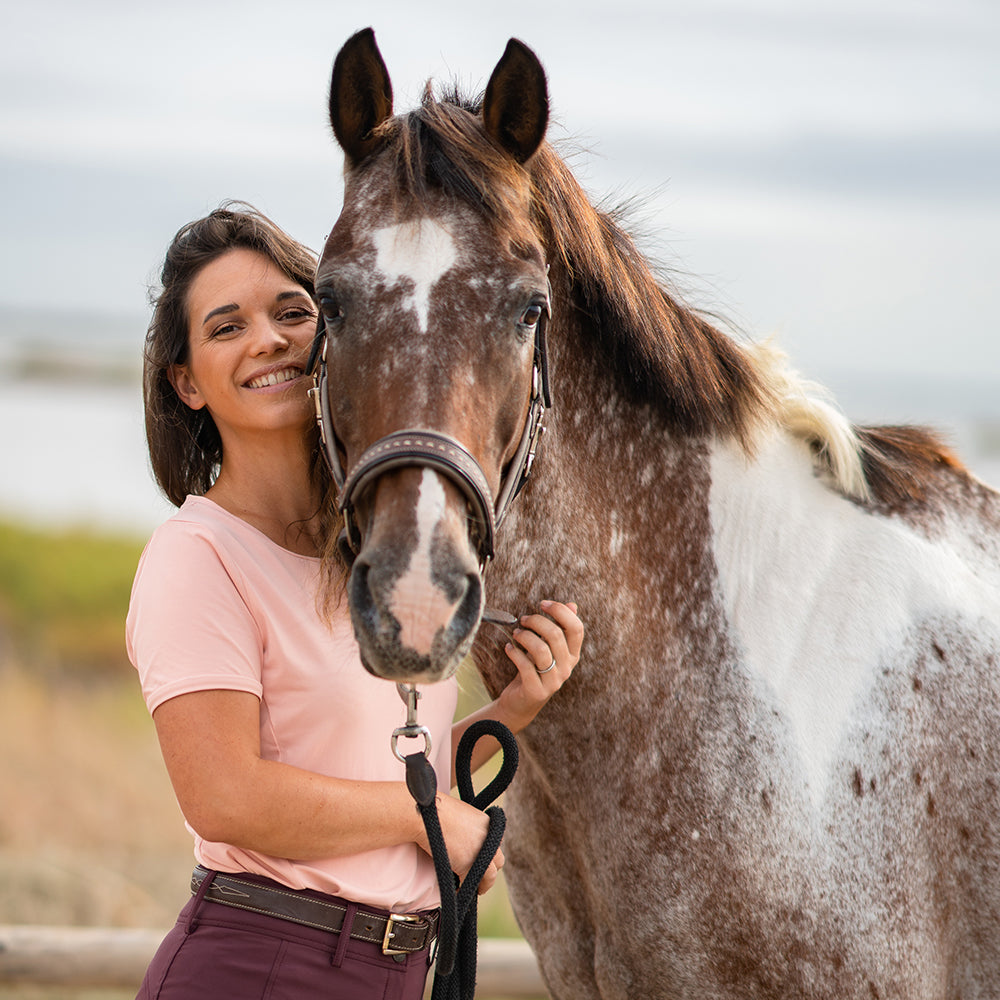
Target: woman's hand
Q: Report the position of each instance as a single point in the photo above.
(464, 829)
(545, 650)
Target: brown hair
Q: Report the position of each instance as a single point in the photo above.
(185, 449)
(660, 353)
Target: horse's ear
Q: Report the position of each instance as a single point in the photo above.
(360, 95)
(516, 106)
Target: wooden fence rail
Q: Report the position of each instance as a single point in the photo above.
(117, 958)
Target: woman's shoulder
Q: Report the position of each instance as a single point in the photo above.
(193, 526)
(198, 512)
(201, 519)
(204, 540)
(192, 539)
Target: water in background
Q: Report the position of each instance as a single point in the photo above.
(74, 450)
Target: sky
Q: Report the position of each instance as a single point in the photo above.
(826, 171)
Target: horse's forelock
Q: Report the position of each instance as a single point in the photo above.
(440, 147)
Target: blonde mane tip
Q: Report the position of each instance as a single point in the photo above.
(807, 410)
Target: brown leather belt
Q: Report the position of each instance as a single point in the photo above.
(397, 933)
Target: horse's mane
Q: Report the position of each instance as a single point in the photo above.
(661, 353)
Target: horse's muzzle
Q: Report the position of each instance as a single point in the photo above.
(410, 629)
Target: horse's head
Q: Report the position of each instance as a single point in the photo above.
(433, 292)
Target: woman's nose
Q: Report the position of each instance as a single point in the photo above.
(269, 337)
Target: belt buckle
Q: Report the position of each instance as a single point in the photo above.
(398, 918)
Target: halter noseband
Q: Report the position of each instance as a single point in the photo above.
(433, 450)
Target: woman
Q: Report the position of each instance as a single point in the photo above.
(314, 873)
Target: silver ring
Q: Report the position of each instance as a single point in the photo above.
(551, 666)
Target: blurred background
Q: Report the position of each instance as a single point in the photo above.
(824, 171)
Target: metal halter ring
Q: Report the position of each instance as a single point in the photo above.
(411, 733)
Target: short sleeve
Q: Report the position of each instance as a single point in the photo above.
(188, 626)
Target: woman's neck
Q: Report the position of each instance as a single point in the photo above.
(274, 492)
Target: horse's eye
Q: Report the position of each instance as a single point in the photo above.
(531, 315)
(329, 304)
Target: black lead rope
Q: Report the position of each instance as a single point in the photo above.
(455, 973)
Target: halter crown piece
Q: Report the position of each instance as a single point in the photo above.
(434, 450)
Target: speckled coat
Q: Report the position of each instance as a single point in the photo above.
(774, 772)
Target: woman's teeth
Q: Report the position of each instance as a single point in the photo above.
(285, 375)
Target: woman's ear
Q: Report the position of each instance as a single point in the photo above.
(180, 379)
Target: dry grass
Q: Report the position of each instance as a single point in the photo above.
(90, 833)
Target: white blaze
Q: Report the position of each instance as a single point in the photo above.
(421, 252)
(416, 603)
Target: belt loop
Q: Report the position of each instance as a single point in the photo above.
(337, 958)
(192, 924)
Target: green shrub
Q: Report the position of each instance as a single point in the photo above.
(64, 595)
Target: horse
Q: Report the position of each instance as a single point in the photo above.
(774, 771)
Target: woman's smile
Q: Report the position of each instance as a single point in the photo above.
(274, 377)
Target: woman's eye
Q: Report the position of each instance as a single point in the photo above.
(298, 313)
(226, 330)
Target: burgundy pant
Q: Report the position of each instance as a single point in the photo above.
(216, 952)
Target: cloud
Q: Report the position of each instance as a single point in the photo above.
(771, 121)
(941, 166)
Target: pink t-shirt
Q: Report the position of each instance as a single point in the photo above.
(217, 605)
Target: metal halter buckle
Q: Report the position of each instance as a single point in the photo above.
(397, 918)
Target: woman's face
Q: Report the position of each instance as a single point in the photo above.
(250, 327)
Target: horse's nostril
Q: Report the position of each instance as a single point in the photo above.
(467, 613)
(359, 592)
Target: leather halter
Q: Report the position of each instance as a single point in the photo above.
(434, 450)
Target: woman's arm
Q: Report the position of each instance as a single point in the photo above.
(228, 793)
(554, 636)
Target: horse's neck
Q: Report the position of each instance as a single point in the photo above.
(614, 518)
(707, 578)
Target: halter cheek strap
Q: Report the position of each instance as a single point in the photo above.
(319, 393)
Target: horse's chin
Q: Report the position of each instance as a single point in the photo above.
(396, 663)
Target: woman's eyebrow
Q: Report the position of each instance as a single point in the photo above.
(281, 296)
(232, 307)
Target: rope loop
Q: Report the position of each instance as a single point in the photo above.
(455, 973)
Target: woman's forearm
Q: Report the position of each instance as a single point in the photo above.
(286, 812)
(228, 793)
